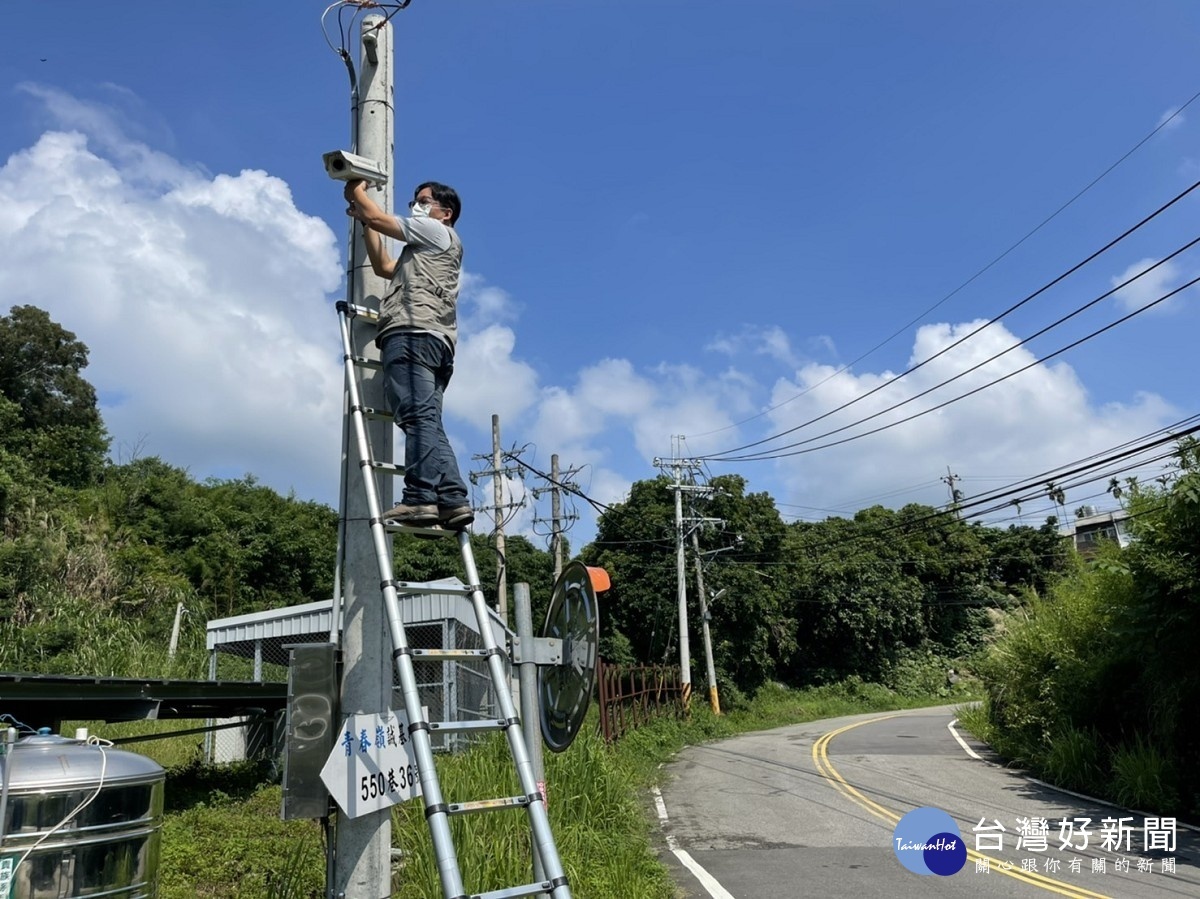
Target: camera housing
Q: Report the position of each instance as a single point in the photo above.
(344, 166)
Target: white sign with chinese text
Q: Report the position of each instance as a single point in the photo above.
(372, 766)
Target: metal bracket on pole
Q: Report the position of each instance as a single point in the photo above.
(538, 650)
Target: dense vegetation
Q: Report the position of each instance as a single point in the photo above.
(1094, 686)
(812, 603)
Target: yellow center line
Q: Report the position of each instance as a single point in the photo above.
(820, 754)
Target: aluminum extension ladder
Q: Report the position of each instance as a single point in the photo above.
(437, 810)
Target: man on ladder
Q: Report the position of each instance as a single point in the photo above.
(416, 340)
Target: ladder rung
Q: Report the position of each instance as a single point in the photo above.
(388, 467)
(529, 889)
(432, 530)
(415, 588)
(487, 805)
(458, 727)
(367, 363)
(364, 311)
(377, 414)
(450, 655)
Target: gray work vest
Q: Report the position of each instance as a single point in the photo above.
(423, 295)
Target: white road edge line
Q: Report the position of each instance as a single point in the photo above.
(707, 881)
(961, 742)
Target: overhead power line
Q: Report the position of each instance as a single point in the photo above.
(965, 283)
(727, 455)
(777, 454)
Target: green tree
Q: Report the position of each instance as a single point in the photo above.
(950, 560)
(635, 543)
(59, 430)
(1161, 626)
(1022, 557)
(857, 608)
(754, 633)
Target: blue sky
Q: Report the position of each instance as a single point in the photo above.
(679, 219)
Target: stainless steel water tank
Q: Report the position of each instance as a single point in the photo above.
(110, 848)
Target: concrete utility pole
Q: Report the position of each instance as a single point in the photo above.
(714, 700)
(363, 862)
(685, 656)
(498, 497)
(558, 481)
(555, 517)
(497, 472)
(527, 677)
(955, 495)
(677, 465)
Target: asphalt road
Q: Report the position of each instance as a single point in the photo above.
(811, 810)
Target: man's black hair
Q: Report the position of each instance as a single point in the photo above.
(445, 196)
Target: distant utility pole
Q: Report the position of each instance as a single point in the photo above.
(678, 466)
(714, 701)
(955, 494)
(363, 860)
(558, 482)
(497, 472)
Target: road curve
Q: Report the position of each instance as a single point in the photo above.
(811, 810)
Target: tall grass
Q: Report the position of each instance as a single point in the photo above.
(600, 831)
(1143, 777)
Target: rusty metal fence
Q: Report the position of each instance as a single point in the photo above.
(632, 696)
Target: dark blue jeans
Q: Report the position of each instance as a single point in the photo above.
(416, 370)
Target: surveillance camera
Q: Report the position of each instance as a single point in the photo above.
(344, 166)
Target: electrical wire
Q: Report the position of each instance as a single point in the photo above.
(754, 457)
(596, 504)
(1128, 450)
(1004, 352)
(726, 455)
(965, 283)
(20, 725)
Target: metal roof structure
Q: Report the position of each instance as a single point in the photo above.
(45, 700)
(264, 634)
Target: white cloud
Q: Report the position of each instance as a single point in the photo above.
(769, 341)
(206, 303)
(1171, 119)
(109, 126)
(1027, 424)
(1150, 286)
(482, 304)
(488, 380)
(203, 302)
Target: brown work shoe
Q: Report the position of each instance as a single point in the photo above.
(457, 518)
(417, 516)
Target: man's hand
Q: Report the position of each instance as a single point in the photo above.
(364, 209)
(355, 192)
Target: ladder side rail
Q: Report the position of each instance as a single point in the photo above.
(539, 820)
(435, 805)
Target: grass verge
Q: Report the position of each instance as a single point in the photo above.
(229, 841)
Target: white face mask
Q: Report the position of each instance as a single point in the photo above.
(421, 210)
